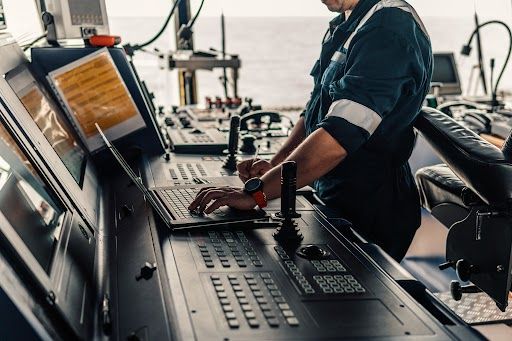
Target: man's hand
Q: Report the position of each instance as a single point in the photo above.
(252, 168)
(221, 196)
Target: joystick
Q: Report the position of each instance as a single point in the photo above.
(288, 232)
(234, 131)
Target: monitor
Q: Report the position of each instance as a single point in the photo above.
(78, 18)
(50, 120)
(2, 17)
(91, 90)
(446, 72)
(28, 104)
(30, 207)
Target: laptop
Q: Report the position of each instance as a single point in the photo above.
(171, 203)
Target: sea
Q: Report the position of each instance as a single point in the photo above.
(278, 53)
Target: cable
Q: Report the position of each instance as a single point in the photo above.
(29, 45)
(185, 32)
(466, 50)
(193, 21)
(131, 49)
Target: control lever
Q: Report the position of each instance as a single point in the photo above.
(456, 290)
(234, 131)
(288, 232)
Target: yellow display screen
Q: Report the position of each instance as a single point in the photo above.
(50, 120)
(93, 91)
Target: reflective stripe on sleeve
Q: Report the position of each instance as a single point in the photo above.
(355, 113)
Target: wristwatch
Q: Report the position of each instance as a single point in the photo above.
(254, 187)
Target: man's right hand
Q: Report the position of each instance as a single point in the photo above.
(252, 168)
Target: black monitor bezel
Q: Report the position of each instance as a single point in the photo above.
(54, 104)
(86, 198)
(453, 88)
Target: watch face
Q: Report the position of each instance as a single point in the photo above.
(253, 185)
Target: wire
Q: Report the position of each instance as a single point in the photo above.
(29, 45)
(193, 21)
(162, 30)
(495, 89)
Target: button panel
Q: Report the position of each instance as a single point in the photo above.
(338, 284)
(228, 249)
(252, 300)
(319, 277)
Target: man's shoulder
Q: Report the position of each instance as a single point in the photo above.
(391, 20)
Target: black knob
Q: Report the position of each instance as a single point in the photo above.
(288, 189)
(464, 270)
(456, 290)
(446, 265)
(146, 271)
(313, 252)
(248, 144)
(169, 122)
(234, 131)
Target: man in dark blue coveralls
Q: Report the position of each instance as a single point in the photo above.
(355, 137)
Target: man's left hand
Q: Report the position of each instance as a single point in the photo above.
(221, 196)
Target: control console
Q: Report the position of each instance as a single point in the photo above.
(292, 277)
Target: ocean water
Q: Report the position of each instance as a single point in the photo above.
(277, 54)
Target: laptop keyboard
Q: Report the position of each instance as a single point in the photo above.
(180, 198)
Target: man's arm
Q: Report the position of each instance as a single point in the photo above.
(254, 168)
(297, 136)
(311, 165)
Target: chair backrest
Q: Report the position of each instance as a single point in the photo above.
(484, 168)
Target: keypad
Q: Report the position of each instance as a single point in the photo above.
(252, 299)
(188, 171)
(338, 284)
(328, 265)
(230, 249)
(299, 277)
(194, 138)
(330, 276)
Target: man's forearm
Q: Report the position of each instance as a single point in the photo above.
(296, 137)
(311, 164)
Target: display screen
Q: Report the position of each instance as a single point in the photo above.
(2, 16)
(444, 69)
(85, 12)
(93, 92)
(50, 120)
(27, 203)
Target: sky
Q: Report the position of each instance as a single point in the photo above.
(158, 8)
(23, 19)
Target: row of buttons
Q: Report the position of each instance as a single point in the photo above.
(339, 284)
(328, 265)
(281, 252)
(303, 282)
(225, 303)
(246, 307)
(277, 298)
(241, 251)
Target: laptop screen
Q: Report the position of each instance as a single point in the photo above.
(134, 177)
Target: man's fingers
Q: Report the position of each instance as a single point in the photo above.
(216, 204)
(260, 167)
(211, 195)
(193, 205)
